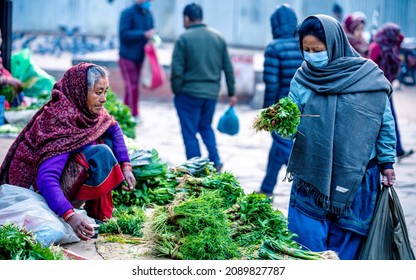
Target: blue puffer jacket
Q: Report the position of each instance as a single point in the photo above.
(282, 57)
(134, 22)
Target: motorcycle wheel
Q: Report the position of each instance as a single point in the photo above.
(408, 78)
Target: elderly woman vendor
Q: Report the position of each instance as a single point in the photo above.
(72, 151)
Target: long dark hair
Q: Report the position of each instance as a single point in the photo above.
(311, 26)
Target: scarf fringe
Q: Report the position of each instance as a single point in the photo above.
(321, 199)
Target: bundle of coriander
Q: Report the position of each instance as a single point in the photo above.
(282, 117)
(194, 228)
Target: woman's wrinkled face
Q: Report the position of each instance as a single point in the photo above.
(98, 95)
(312, 44)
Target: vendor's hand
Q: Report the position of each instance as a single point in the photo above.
(149, 33)
(130, 179)
(16, 83)
(233, 101)
(388, 177)
(81, 227)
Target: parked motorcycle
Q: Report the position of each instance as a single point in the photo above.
(407, 74)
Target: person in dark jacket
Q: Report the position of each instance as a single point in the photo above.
(199, 56)
(282, 58)
(135, 29)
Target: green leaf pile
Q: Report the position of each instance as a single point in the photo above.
(199, 214)
(19, 244)
(194, 228)
(150, 172)
(125, 220)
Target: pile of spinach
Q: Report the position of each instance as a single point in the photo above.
(19, 244)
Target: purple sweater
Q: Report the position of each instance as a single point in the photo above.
(49, 173)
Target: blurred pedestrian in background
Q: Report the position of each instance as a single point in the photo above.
(199, 56)
(336, 159)
(354, 26)
(136, 27)
(10, 87)
(282, 58)
(385, 51)
(337, 12)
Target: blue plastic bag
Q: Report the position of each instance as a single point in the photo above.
(228, 122)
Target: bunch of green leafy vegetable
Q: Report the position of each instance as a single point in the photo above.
(8, 92)
(10, 128)
(194, 228)
(147, 164)
(125, 220)
(196, 166)
(150, 172)
(225, 183)
(165, 188)
(121, 113)
(278, 250)
(254, 219)
(282, 117)
(19, 244)
(35, 104)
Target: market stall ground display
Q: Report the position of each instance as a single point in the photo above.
(199, 215)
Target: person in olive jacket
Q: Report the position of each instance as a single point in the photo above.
(199, 56)
(282, 58)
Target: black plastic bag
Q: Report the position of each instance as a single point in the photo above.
(388, 238)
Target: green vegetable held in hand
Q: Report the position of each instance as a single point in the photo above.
(282, 117)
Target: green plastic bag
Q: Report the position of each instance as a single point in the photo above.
(388, 238)
(36, 82)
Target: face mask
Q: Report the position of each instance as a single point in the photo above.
(146, 5)
(317, 59)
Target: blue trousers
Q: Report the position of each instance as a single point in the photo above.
(323, 235)
(278, 155)
(195, 116)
